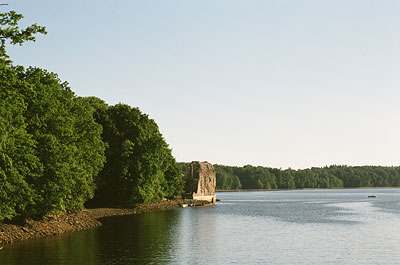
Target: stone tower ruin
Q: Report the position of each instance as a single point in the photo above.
(201, 181)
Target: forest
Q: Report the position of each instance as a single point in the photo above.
(59, 151)
(250, 177)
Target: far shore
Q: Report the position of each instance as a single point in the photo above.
(345, 188)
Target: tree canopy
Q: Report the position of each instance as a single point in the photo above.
(251, 177)
(140, 166)
(56, 148)
(51, 147)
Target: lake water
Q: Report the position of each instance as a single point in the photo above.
(263, 227)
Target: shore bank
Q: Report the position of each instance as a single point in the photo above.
(344, 188)
(56, 224)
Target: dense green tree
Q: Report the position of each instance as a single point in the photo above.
(222, 180)
(18, 163)
(51, 146)
(236, 182)
(14, 190)
(140, 166)
(225, 178)
(68, 141)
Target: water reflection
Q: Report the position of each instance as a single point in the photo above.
(138, 239)
(197, 236)
(70, 248)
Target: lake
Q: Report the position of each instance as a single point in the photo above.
(259, 227)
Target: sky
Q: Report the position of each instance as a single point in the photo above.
(277, 83)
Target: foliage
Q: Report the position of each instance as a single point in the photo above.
(68, 140)
(53, 144)
(19, 166)
(251, 177)
(17, 159)
(9, 30)
(140, 166)
(51, 147)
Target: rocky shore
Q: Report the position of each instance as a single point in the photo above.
(56, 224)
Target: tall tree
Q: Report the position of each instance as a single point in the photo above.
(68, 139)
(18, 163)
(140, 166)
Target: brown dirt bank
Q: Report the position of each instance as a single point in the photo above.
(86, 219)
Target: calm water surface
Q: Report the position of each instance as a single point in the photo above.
(266, 227)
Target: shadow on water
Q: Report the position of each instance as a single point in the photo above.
(69, 248)
(137, 239)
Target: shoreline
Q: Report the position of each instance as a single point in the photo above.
(345, 188)
(51, 225)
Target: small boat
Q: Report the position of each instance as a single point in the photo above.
(184, 205)
(371, 196)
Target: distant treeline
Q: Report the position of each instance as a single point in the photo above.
(251, 177)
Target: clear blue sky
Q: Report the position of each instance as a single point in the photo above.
(275, 83)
